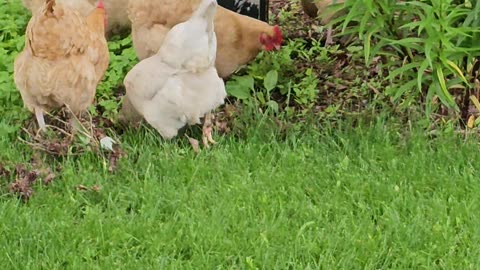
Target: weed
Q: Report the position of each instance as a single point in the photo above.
(430, 48)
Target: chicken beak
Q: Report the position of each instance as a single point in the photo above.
(277, 46)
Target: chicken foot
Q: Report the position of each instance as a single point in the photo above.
(207, 130)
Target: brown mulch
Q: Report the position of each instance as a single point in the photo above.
(342, 72)
(297, 24)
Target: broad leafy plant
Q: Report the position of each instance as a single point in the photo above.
(430, 47)
(12, 29)
(122, 59)
(274, 81)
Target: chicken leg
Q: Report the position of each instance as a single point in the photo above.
(129, 115)
(75, 124)
(329, 39)
(207, 130)
(40, 119)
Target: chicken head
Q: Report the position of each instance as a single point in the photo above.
(273, 40)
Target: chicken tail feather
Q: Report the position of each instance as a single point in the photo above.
(40, 119)
(206, 9)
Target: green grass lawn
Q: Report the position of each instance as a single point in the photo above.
(339, 200)
(371, 197)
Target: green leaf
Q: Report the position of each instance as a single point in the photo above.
(475, 102)
(271, 80)
(446, 97)
(246, 81)
(403, 89)
(261, 98)
(456, 69)
(421, 72)
(240, 87)
(273, 105)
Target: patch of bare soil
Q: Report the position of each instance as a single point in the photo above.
(297, 24)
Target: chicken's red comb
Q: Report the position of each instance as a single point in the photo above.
(100, 4)
(278, 34)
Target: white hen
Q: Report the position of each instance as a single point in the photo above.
(179, 84)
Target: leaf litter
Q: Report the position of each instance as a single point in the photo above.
(70, 136)
(23, 182)
(65, 136)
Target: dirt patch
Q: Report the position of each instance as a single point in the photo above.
(22, 177)
(23, 182)
(69, 136)
(296, 24)
(65, 136)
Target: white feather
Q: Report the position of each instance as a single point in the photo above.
(179, 84)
